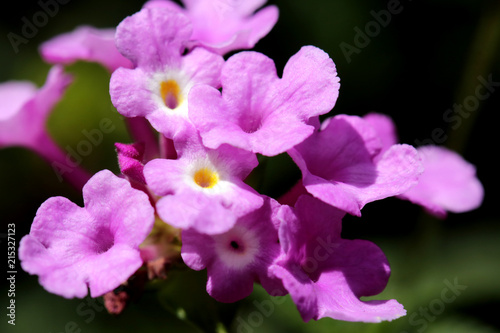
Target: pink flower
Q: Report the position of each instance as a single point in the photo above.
(72, 248)
(260, 112)
(23, 117)
(87, 44)
(326, 275)
(342, 165)
(25, 109)
(448, 183)
(157, 88)
(238, 257)
(222, 26)
(203, 189)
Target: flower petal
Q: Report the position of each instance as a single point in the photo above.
(153, 37)
(385, 128)
(341, 165)
(358, 268)
(260, 112)
(85, 43)
(23, 122)
(73, 248)
(449, 183)
(14, 95)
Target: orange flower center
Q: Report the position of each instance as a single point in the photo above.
(171, 94)
(206, 178)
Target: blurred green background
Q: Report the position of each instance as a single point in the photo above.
(425, 60)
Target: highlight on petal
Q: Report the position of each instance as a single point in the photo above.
(87, 44)
(14, 95)
(74, 248)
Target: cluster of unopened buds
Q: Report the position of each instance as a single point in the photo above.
(201, 123)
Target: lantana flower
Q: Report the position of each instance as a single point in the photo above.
(87, 44)
(197, 123)
(73, 249)
(448, 183)
(25, 109)
(222, 26)
(340, 164)
(157, 88)
(238, 257)
(259, 111)
(23, 117)
(203, 189)
(326, 275)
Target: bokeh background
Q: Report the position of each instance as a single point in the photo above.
(425, 60)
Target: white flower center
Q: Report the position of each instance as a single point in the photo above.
(237, 248)
(205, 175)
(169, 90)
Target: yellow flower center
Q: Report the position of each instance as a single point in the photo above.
(206, 178)
(171, 93)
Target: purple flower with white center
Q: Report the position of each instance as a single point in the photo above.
(339, 165)
(222, 26)
(259, 111)
(23, 117)
(157, 88)
(239, 257)
(73, 249)
(203, 189)
(448, 183)
(85, 43)
(326, 275)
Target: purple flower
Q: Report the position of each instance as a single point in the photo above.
(238, 257)
(257, 110)
(157, 88)
(87, 44)
(222, 26)
(25, 109)
(203, 189)
(448, 183)
(325, 274)
(340, 165)
(23, 116)
(72, 248)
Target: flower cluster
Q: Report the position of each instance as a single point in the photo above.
(201, 121)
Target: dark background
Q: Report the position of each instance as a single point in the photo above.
(427, 59)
